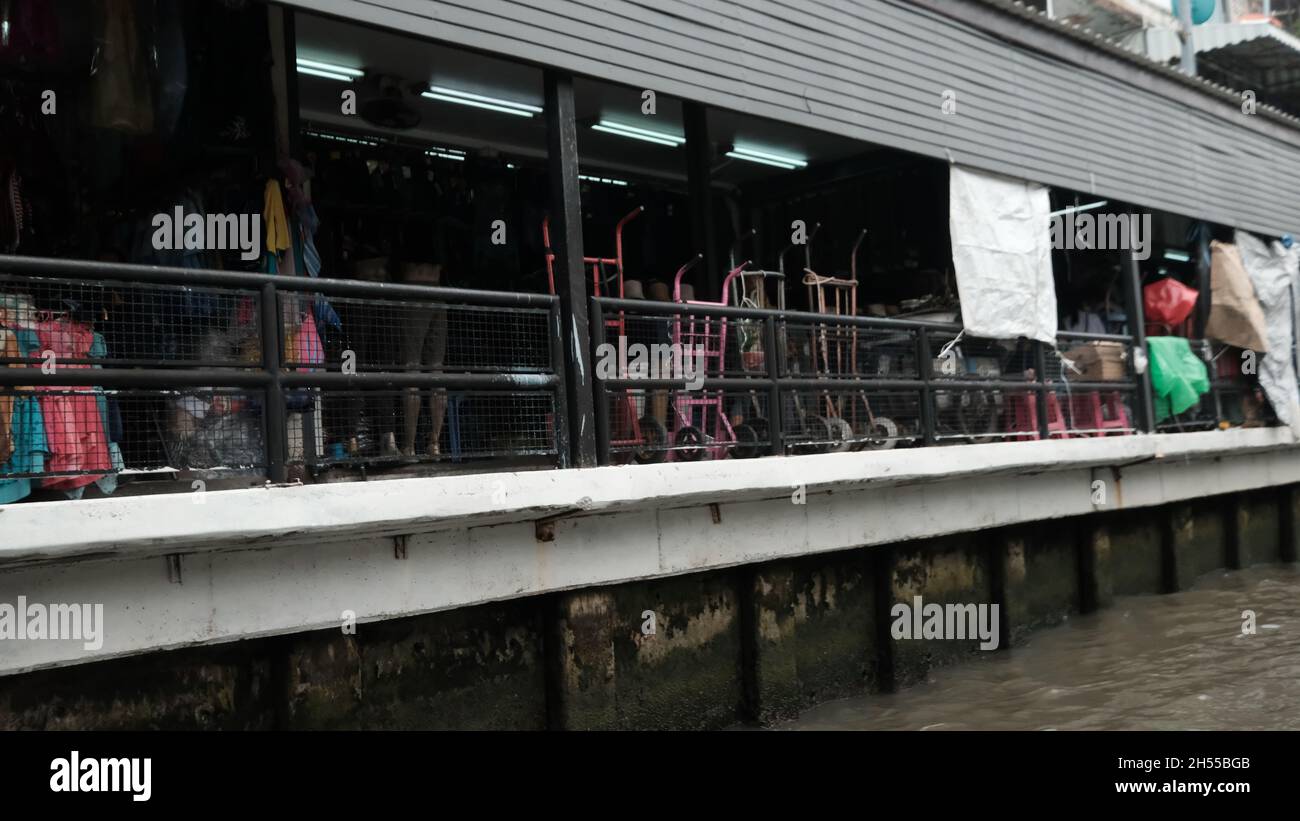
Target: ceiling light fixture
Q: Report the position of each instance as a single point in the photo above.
(606, 180)
(635, 133)
(328, 70)
(446, 153)
(1178, 256)
(765, 158)
(340, 138)
(450, 95)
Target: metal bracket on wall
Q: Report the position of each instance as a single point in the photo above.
(544, 528)
(174, 568)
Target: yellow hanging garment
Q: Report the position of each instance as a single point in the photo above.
(277, 223)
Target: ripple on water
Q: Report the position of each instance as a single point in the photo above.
(1145, 663)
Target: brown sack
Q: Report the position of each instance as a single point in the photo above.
(1235, 314)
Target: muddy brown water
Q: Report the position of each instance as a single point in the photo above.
(1173, 662)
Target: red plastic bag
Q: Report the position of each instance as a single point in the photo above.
(1168, 302)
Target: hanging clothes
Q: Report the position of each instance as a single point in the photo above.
(112, 421)
(121, 97)
(74, 429)
(8, 350)
(26, 428)
(275, 219)
(308, 223)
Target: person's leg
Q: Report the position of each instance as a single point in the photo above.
(435, 353)
(382, 405)
(415, 329)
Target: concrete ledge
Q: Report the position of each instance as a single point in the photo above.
(303, 514)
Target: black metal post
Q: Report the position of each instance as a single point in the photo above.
(1040, 370)
(924, 362)
(560, 416)
(699, 173)
(775, 408)
(566, 244)
(1137, 328)
(599, 387)
(294, 136)
(276, 419)
(1203, 283)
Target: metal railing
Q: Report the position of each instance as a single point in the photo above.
(779, 382)
(223, 374)
(197, 370)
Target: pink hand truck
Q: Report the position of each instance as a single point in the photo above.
(701, 423)
(629, 431)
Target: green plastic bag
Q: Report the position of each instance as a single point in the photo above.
(1178, 376)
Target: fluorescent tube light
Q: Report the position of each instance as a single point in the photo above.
(340, 138)
(739, 156)
(1178, 256)
(326, 74)
(328, 70)
(605, 180)
(450, 95)
(637, 133)
(765, 158)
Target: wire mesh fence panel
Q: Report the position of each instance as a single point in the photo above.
(652, 346)
(376, 335)
(1235, 387)
(1204, 413)
(70, 437)
(1090, 360)
(130, 324)
(844, 420)
(978, 358)
(976, 416)
(1201, 416)
(1093, 412)
(329, 427)
(649, 425)
(1077, 409)
(835, 349)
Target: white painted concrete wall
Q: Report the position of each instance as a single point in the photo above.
(287, 559)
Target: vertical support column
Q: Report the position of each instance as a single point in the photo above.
(1231, 518)
(566, 243)
(1203, 283)
(925, 362)
(699, 160)
(294, 135)
(1138, 330)
(601, 393)
(273, 412)
(1203, 301)
(775, 407)
(1040, 390)
(1286, 499)
(560, 415)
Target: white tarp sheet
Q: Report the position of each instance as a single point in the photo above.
(1271, 268)
(1002, 254)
